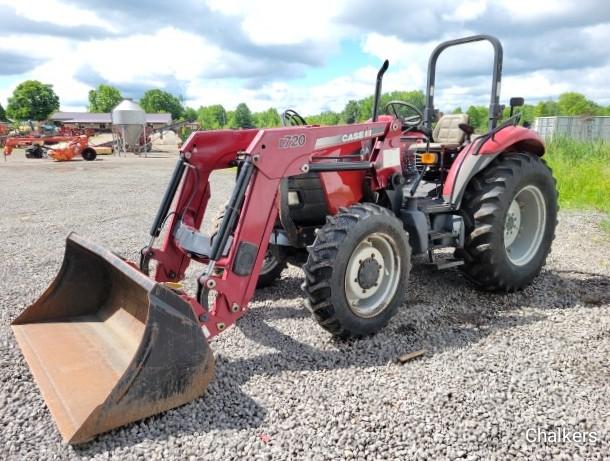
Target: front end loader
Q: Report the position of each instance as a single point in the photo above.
(112, 341)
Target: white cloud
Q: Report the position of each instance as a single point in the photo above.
(140, 59)
(57, 12)
(197, 63)
(285, 22)
(528, 10)
(58, 72)
(165, 53)
(31, 45)
(467, 10)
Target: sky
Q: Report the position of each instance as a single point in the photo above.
(308, 55)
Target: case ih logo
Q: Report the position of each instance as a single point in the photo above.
(357, 135)
(328, 141)
(292, 141)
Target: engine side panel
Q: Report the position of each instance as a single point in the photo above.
(342, 188)
(312, 208)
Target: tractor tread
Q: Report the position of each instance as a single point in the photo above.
(483, 205)
(322, 259)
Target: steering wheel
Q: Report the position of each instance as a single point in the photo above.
(292, 118)
(412, 120)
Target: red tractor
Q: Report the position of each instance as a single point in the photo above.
(113, 341)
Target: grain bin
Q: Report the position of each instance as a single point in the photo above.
(128, 125)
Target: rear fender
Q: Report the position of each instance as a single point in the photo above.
(469, 162)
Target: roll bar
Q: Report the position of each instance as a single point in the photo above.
(494, 104)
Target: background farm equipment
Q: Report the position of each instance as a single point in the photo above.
(64, 130)
(4, 132)
(113, 341)
(79, 145)
(60, 148)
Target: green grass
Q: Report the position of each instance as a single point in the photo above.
(582, 170)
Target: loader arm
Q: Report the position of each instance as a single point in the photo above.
(107, 345)
(265, 158)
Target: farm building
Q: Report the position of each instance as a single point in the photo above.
(102, 121)
(579, 127)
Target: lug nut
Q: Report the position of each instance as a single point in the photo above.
(211, 283)
(234, 307)
(221, 326)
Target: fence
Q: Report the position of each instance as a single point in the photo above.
(583, 127)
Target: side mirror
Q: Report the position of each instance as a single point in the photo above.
(515, 102)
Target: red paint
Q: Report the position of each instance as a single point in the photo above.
(508, 139)
(208, 151)
(342, 189)
(514, 138)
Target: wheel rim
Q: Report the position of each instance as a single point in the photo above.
(372, 275)
(524, 225)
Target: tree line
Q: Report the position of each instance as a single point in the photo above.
(216, 116)
(568, 104)
(33, 100)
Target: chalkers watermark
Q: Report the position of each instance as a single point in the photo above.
(560, 435)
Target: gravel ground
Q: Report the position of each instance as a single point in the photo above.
(497, 369)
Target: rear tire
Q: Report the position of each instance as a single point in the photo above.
(274, 263)
(88, 154)
(357, 270)
(510, 211)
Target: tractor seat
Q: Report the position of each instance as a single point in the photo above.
(446, 135)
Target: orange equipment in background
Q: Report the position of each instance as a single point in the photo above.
(75, 145)
(79, 145)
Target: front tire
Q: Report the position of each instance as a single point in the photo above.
(357, 270)
(510, 210)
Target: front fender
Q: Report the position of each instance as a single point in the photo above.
(469, 162)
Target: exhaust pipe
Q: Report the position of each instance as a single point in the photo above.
(108, 346)
(378, 82)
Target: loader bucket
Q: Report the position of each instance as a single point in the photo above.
(108, 346)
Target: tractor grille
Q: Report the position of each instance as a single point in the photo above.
(418, 164)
